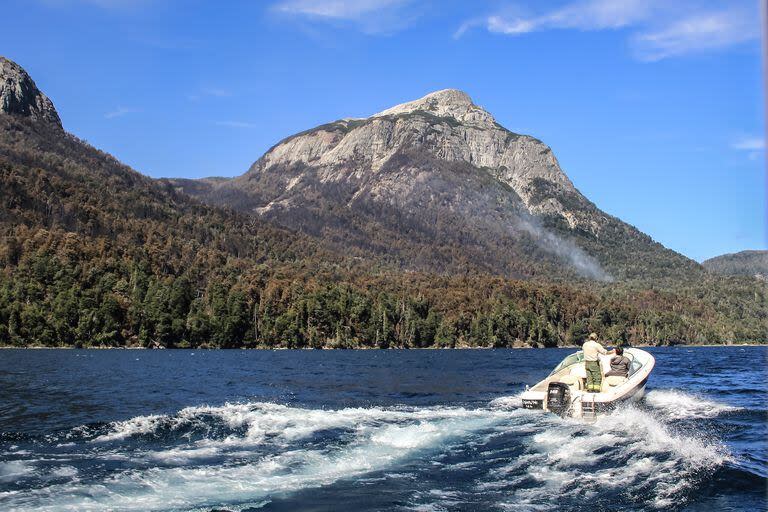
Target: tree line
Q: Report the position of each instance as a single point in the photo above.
(94, 254)
(50, 296)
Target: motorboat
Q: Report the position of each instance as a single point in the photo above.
(564, 392)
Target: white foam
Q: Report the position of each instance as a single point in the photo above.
(15, 470)
(181, 456)
(658, 438)
(409, 437)
(507, 402)
(680, 405)
(134, 426)
(427, 507)
(64, 472)
(279, 425)
(627, 446)
(378, 439)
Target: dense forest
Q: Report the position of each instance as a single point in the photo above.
(95, 254)
(744, 263)
(58, 289)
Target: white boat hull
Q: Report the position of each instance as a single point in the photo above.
(571, 399)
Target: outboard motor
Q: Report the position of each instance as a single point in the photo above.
(558, 398)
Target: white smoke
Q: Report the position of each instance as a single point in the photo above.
(584, 264)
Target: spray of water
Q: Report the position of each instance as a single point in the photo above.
(240, 455)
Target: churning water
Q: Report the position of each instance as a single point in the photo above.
(393, 430)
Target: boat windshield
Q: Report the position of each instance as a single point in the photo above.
(572, 359)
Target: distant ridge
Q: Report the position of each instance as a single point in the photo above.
(744, 263)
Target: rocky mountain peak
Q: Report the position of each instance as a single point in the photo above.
(20, 96)
(445, 103)
(436, 183)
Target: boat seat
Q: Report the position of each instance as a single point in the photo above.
(579, 371)
(612, 381)
(571, 380)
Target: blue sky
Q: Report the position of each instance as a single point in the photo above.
(654, 109)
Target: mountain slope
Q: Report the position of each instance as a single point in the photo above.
(437, 185)
(50, 179)
(91, 250)
(92, 253)
(744, 263)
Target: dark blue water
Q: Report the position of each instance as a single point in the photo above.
(371, 430)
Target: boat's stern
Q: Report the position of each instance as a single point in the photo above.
(533, 399)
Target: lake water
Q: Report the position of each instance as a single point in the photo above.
(371, 430)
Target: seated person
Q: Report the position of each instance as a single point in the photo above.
(619, 364)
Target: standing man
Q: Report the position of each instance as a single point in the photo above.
(591, 350)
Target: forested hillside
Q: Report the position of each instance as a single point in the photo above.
(92, 253)
(64, 289)
(744, 263)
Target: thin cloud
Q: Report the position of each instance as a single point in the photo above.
(588, 15)
(584, 15)
(749, 144)
(103, 4)
(120, 112)
(219, 93)
(697, 33)
(369, 16)
(235, 124)
(339, 9)
(753, 146)
(660, 29)
(209, 92)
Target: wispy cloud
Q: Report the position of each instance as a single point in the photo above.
(103, 4)
(754, 147)
(697, 33)
(340, 9)
(749, 144)
(213, 92)
(369, 16)
(219, 93)
(584, 15)
(120, 112)
(235, 124)
(660, 29)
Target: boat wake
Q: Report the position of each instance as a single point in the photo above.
(679, 405)
(248, 455)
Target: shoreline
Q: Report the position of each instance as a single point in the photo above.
(40, 347)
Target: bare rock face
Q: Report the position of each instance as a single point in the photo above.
(20, 96)
(447, 125)
(446, 103)
(437, 184)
